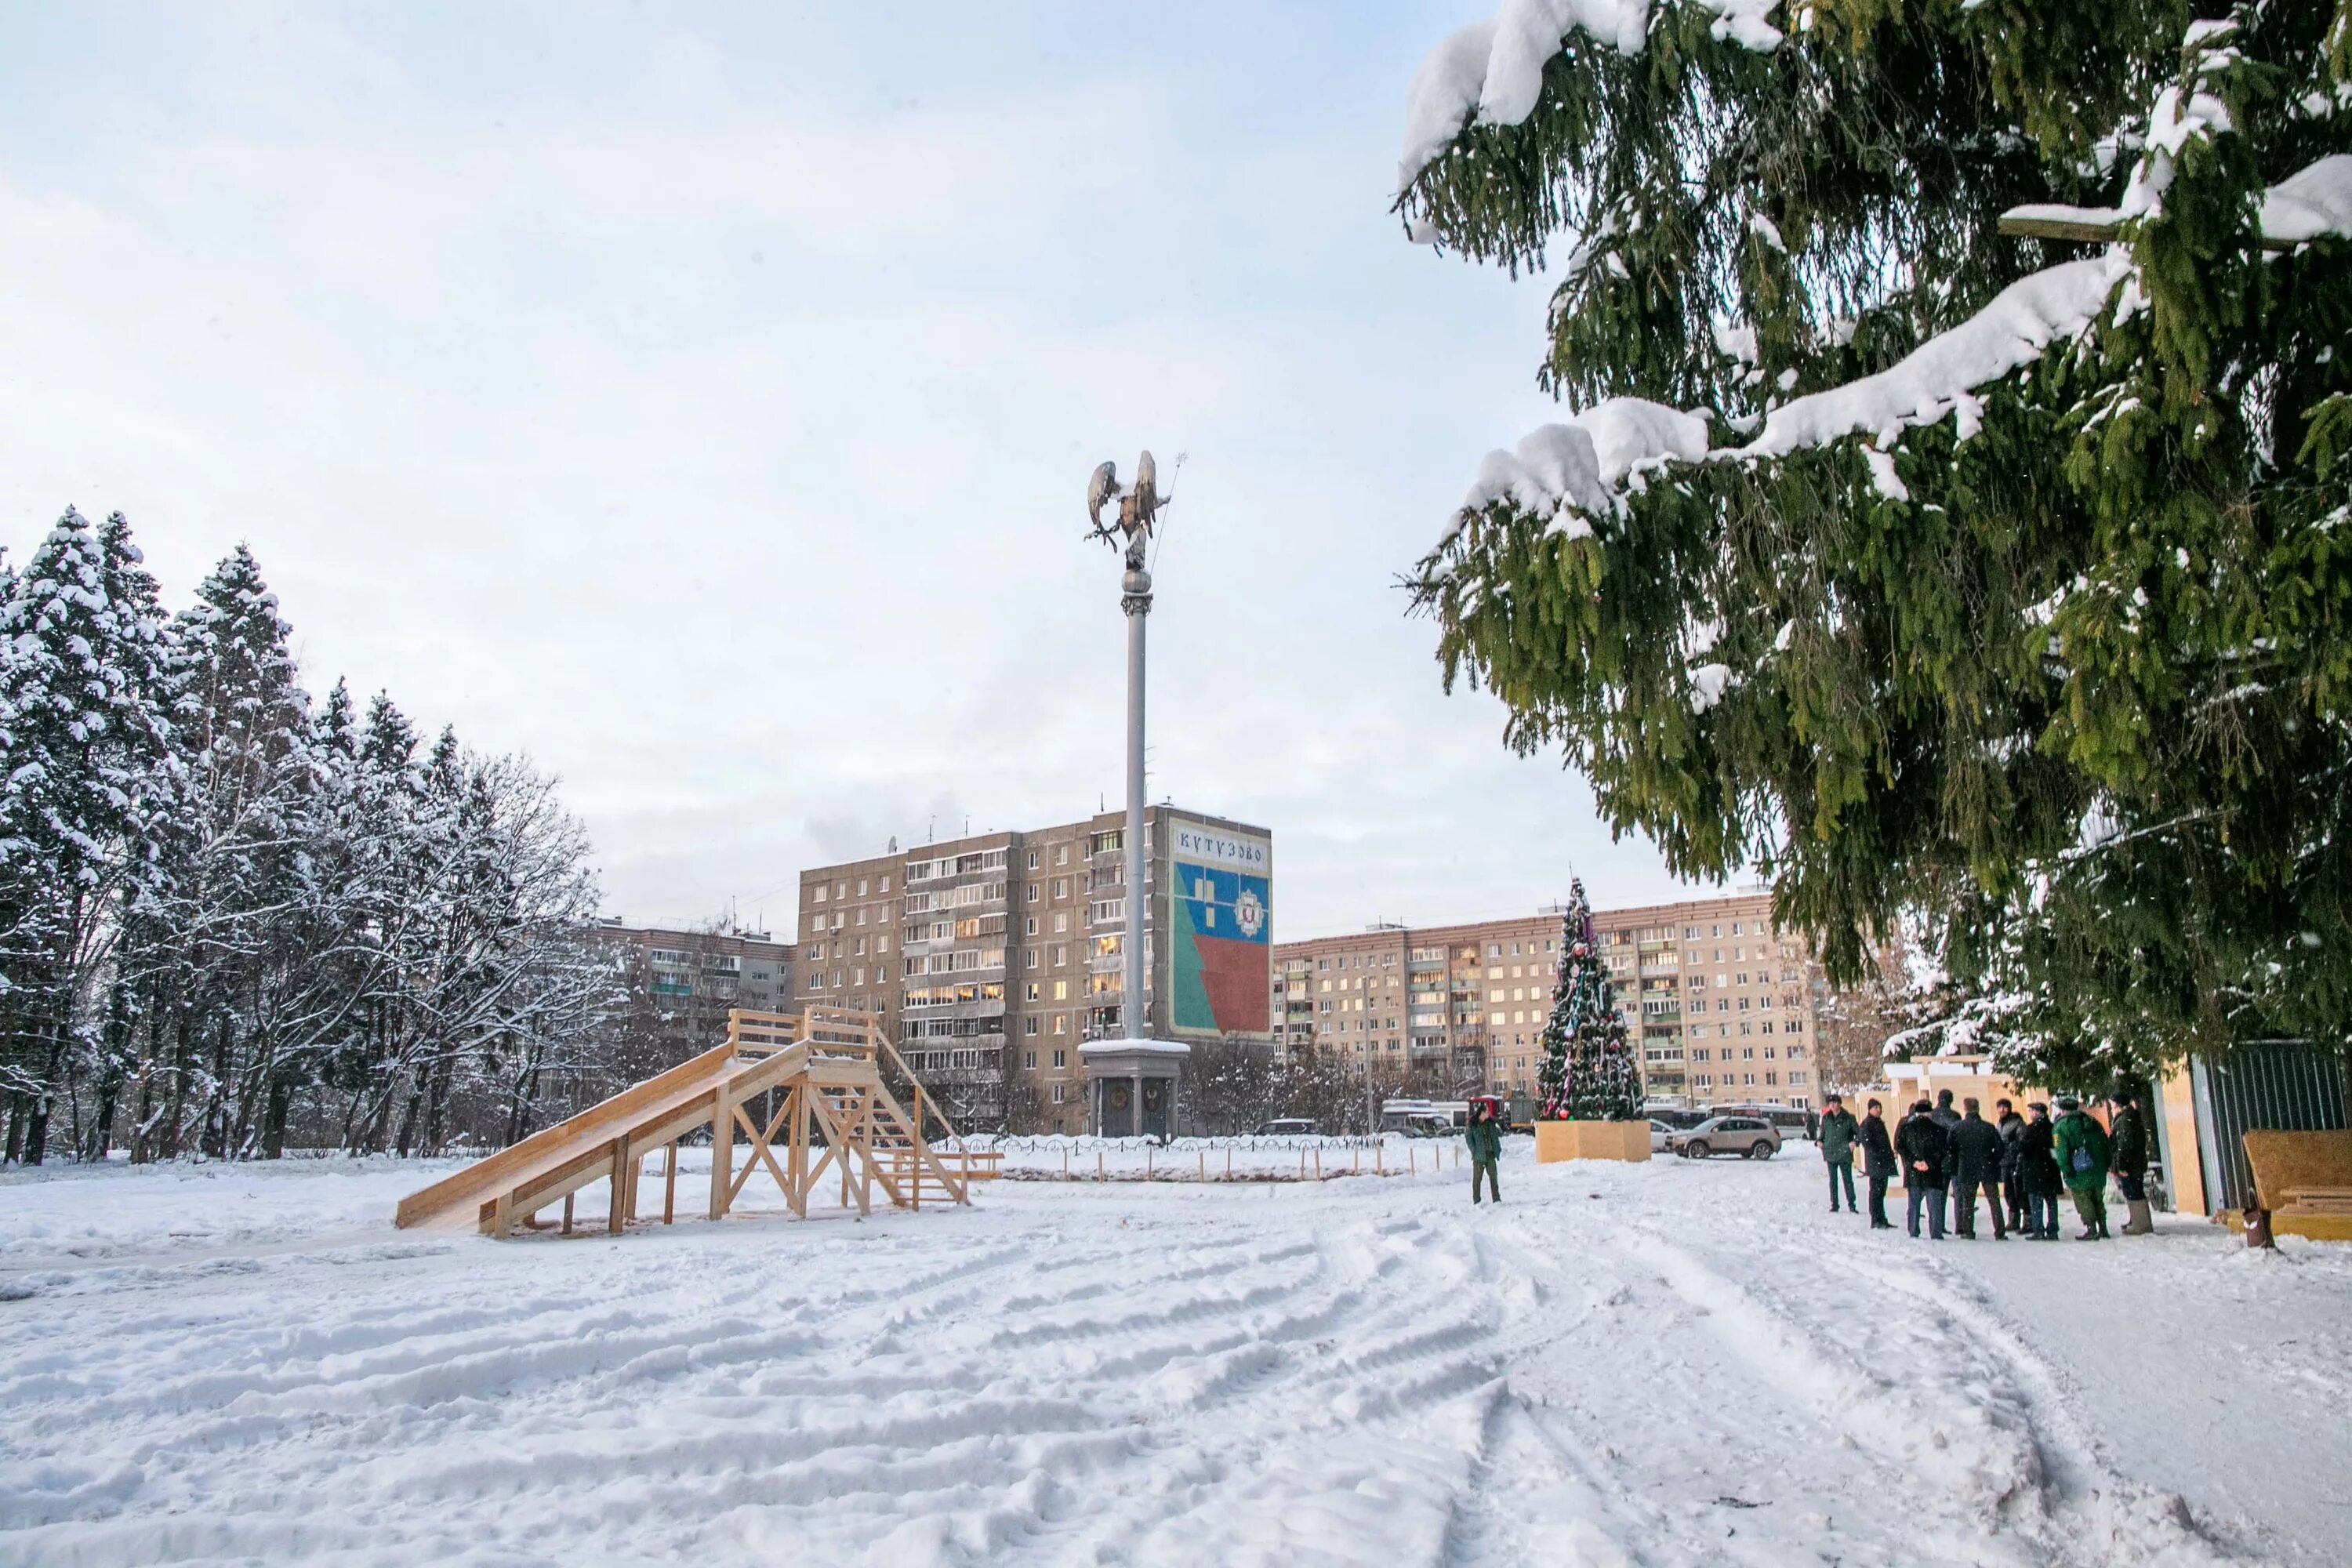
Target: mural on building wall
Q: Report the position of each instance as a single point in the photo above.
(1223, 922)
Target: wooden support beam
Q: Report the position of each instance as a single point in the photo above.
(670, 1184)
(617, 1209)
(722, 1152)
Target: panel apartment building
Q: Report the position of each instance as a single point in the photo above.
(991, 958)
(1724, 1006)
(692, 977)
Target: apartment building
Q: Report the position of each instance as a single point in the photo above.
(688, 979)
(1721, 1005)
(994, 957)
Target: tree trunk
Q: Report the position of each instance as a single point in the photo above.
(36, 1132)
(101, 1121)
(273, 1123)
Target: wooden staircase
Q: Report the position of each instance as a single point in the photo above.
(808, 1092)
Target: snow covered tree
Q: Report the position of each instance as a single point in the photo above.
(1952, 510)
(204, 946)
(86, 749)
(226, 921)
(1589, 1073)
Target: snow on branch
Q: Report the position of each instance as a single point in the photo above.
(1491, 72)
(1940, 376)
(1562, 472)
(2310, 203)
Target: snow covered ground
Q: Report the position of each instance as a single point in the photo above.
(1669, 1364)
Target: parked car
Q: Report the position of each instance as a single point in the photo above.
(1430, 1125)
(1793, 1122)
(1661, 1136)
(1287, 1126)
(1749, 1136)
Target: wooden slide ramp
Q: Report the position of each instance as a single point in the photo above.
(808, 1087)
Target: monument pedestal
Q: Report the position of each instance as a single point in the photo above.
(1131, 1085)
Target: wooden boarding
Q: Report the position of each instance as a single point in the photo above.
(2304, 1179)
(824, 1068)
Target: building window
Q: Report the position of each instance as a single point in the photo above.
(1028, 1059)
(1033, 866)
(1061, 1057)
(1061, 1023)
(1058, 1090)
(1029, 1026)
(1061, 990)
(1061, 921)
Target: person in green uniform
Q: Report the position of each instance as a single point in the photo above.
(1839, 1131)
(1485, 1138)
(2080, 1145)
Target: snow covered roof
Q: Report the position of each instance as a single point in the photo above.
(1094, 1049)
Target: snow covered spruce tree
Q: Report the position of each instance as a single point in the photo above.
(226, 922)
(1953, 510)
(1588, 1072)
(88, 770)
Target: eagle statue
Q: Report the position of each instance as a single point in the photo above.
(1138, 506)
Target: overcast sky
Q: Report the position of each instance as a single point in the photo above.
(700, 400)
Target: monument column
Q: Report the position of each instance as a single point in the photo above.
(1135, 1055)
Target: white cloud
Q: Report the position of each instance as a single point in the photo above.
(723, 449)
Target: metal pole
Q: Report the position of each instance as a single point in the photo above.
(1136, 600)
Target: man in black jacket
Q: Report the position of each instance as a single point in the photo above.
(1878, 1164)
(2037, 1172)
(2012, 1128)
(1945, 1117)
(2128, 1157)
(1926, 1151)
(1976, 1162)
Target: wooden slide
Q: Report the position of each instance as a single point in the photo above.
(820, 1075)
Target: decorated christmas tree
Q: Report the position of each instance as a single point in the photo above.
(1588, 1068)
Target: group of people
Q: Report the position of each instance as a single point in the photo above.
(2020, 1164)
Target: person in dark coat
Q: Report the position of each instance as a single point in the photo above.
(2037, 1172)
(1926, 1152)
(1838, 1129)
(1484, 1138)
(1976, 1162)
(2128, 1156)
(1878, 1164)
(2010, 1124)
(1945, 1117)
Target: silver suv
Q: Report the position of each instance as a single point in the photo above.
(1749, 1136)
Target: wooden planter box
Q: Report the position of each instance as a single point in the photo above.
(1557, 1140)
